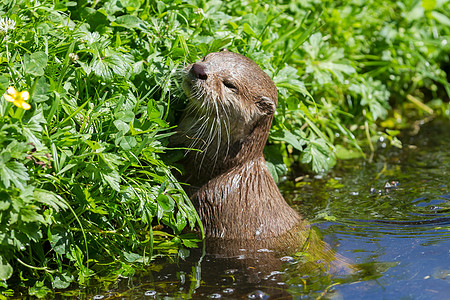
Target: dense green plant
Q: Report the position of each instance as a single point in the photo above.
(82, 180)
(86, 175)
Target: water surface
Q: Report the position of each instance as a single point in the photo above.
(389, 217)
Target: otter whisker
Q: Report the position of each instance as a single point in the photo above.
(212, 132)
(219, 133)
(227, 130)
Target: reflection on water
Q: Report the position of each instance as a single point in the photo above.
(390, 218)
(405, 226)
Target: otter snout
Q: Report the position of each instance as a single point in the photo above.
(199, 71)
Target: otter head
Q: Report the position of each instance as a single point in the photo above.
(231, 106)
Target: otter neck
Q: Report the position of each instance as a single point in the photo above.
(244, 203)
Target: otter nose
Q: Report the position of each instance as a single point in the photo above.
(199, 71)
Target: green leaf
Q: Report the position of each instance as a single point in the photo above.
(285, 135)
(165, 202)
(189, 243)
(5, 200)
(343, 153)
(32, 130)
(49, 198)
(6, 270)
(29, 230)
(122, 126)
(441, 18)
(4, 83)
(132, 257)
(181, 221)
(125, 115)
(127, 21)
(17, 150)
(13, 172)
(112, 178)
(101, 69)
(29, 215)
(248, 30)
(112, 64)
(62, 281)
(190, 240)
(35, 63)
(112, 160)
(126, 142)
(39, 290)
(319, 155)
(59, 239)
(274, 161)
(41, 91)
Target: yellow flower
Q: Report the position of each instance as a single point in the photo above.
(18, 99)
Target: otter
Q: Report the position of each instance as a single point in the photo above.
(247, 222)
(231, 105)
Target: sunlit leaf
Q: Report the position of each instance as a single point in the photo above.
(35, 63)
(319, 155)
(13, 172)
(112, 178)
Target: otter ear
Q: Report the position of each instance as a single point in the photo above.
(266, 105)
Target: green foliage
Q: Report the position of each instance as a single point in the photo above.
(83, 175)
(82, 180)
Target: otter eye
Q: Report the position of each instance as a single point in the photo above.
(229, 85)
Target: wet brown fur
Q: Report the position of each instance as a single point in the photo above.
(235, 195)
(230, 111)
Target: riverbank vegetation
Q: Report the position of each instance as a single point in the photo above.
(91, 95)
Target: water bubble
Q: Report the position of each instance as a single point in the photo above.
(150, 293)
(228, 291)
(258, 295)
(273, 275)
(215, 296)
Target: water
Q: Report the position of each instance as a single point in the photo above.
(389, 218)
